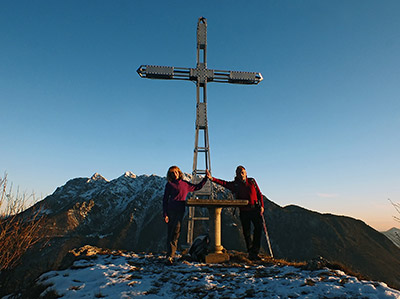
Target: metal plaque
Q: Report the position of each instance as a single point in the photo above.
(202, 35)
(202, 114)
(242, 76)
(155, 71)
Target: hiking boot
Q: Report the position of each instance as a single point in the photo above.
(169, 261)
(254, 257)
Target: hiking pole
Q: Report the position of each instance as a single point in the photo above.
(266, 235)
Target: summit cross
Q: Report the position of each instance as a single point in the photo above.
(201, 75)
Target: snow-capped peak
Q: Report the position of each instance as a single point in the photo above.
(129, 174)
(97, 177)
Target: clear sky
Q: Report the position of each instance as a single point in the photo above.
(321, 131)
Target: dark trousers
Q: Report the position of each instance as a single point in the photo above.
(174, 230)
(248, 217)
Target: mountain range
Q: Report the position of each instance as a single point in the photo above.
(126, 214)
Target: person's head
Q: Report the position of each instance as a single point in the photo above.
(241, 174)
(174, 173)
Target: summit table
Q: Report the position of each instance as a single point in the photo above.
(214, 206)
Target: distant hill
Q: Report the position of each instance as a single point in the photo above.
(394, 235)
(125, 214)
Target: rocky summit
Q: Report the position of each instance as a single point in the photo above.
(126, 214)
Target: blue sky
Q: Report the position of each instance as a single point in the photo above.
(321, 131)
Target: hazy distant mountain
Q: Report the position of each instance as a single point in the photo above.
(394, 235)
(125, 213)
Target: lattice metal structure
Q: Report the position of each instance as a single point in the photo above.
(201, 75)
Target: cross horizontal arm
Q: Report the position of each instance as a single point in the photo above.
(199, 74)
(237, 77)
(163, 72)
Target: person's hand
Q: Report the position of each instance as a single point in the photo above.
(208, 175)
(262, 210)
(166, 219)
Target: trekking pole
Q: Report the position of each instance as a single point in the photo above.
(266, 235)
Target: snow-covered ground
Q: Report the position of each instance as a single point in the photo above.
(140, 275)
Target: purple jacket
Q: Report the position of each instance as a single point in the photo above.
(175, 194)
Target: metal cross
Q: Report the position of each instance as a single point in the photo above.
(201, 75)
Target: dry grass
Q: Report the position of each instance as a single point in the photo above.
(241, 257)
(316, 264)
(17, 232)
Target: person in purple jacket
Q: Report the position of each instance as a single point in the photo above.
(174, 203)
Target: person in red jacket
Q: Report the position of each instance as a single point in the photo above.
(246, 188)
(174, 203)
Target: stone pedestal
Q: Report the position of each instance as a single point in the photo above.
(217, 254)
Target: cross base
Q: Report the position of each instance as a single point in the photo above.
(214, 258)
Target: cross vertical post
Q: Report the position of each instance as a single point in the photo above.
(201, 99)
(201, 124)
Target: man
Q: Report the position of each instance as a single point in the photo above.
(246, 188)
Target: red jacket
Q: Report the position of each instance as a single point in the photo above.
(248, 191)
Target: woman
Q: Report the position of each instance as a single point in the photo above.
(246, 188)
(174, 203)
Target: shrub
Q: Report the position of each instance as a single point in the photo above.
(18, 231)
(397, 207)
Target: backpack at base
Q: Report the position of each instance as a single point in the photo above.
(199, 248)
